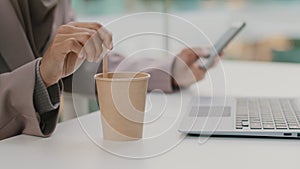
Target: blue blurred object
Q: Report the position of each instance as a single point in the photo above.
(292, 56)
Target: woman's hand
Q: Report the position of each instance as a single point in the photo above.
(186, 70)
(71, 45)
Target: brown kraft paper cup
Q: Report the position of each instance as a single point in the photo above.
(122, 98)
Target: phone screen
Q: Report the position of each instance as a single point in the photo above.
(221, 44)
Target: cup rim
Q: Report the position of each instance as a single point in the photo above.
(146, 76)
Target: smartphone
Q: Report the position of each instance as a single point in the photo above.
(207, 62)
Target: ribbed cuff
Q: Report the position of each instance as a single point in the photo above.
(45, 99)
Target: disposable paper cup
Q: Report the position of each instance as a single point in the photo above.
(122, 98)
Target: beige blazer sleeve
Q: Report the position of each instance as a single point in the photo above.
(17, 112)
(160, 69)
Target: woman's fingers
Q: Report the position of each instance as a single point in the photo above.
(71, 45)
(67, 46)
(90, 25)
(199, 73)
(104, 34)
(201, 52)
(92, 35)
(98, 46)
(82, 37)
(191, 55)
(92, 44)
(69, 29)
(186, 70)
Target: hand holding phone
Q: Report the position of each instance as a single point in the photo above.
(220, 45)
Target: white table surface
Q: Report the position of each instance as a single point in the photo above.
(70, 146)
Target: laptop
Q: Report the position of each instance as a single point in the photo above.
(253, 116)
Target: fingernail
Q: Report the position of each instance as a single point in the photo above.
(80, 56)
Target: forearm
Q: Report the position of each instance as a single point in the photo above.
(17, 109)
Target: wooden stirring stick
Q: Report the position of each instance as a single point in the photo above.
(105, 64)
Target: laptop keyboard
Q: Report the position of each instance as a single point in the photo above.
(268, 114)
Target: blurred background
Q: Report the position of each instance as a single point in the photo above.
(272, 32)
